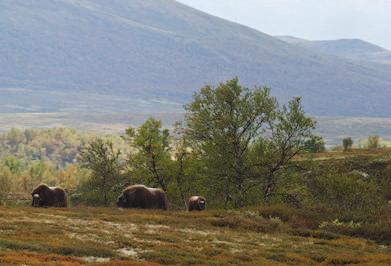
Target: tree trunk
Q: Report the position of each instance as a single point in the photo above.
(179, 179)
(162, 183)
(228, 198)
(105, 199)
(240, 199)
(268, 192)
(182, 194)
(184, 200)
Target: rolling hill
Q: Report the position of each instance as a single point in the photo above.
(97, 55)
(355, 49)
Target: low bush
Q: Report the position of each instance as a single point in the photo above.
(284, 212)
(250, 221)
(321, 221)
(379, 232)
(62, 250)
(346, 259)
(321, 234)
(294, 217)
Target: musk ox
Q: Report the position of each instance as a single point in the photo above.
(44, 196)
(196, 203)
(140, 196)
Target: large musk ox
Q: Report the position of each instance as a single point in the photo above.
(140, 196)
(196, 203)
(44, 196)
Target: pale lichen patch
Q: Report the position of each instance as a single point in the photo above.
(130, 252)
(92, 259)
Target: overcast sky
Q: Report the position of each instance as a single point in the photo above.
(369, 20)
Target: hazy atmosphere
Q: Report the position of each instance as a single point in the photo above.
(195, 132)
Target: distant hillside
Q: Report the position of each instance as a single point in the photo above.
(54, 52)
(355, 49)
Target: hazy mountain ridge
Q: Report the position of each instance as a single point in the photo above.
(166, 50)
(355, 49)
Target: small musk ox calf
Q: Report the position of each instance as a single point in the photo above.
(44, 196)
(196, 203)
(140, 196)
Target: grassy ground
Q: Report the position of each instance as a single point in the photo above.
(83, 236)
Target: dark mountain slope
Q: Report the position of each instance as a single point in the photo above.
(164, 50)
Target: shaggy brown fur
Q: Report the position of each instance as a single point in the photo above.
(140, 196)
(44, 196)
(196, 203)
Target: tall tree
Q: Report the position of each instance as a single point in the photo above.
(373, 142)
(182, 162)
(315, 144)
(347, 144)
(289, 133)
(102, 159)
(243, 137)
(151, 158)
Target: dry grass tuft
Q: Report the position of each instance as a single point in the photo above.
(26, 258)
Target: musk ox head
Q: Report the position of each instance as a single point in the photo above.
(121, 201)
(39, 195)
(36, 200)
(201, 203)
(196, 203)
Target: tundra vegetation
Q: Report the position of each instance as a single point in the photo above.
(274, 194)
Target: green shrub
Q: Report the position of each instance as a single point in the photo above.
(250, 221)
(314, 233)
(345, 193)
(284, 212)
(315, 145)
(379, 232)
(347, 144)
(296, 218)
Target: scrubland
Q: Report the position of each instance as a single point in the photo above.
(275, 235)
(275, 194)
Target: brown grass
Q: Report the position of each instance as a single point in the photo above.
(102, 236)
(20, 258)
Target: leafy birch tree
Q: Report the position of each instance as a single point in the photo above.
(244, 137)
